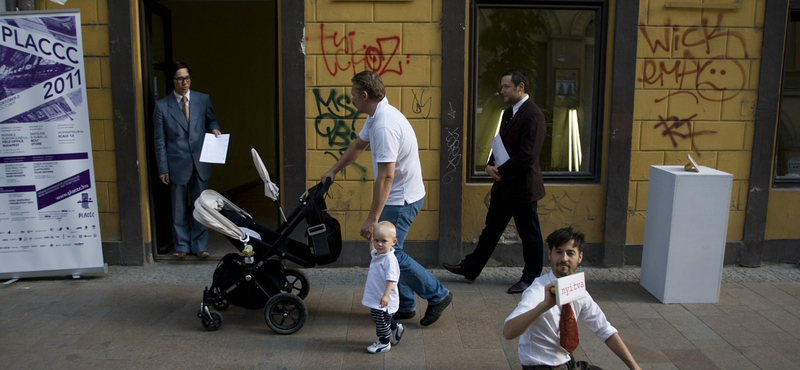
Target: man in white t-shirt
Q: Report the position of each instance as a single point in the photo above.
(398, 192)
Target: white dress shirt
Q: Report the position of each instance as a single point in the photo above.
(540, 343)
(179, 97)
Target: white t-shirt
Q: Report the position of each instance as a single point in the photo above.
(392, 139)
(382, 268)
(540, 344)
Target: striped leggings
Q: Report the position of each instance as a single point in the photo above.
(384, 324)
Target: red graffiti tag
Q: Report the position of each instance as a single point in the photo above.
(697, 37)
(697, 77)
(700, 77)
(340, 54)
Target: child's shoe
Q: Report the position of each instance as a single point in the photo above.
(379, 347)
(397, 334)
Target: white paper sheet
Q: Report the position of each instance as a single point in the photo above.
(499, 151)
(215, 149)
(570, 288)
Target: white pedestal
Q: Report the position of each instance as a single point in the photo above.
(684, 234)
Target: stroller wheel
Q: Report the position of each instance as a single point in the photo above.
(296, 283)
(285, 313)
(221, 304)
(215, 323)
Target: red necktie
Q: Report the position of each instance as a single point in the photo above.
(568, 328)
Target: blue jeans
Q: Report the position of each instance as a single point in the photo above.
(413, 277)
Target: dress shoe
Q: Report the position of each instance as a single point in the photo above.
(458, 270)
(404, 315)
(519, 287)
(434, 311)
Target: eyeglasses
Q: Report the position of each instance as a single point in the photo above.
(182, 79)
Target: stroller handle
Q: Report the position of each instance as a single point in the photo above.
(319, 190)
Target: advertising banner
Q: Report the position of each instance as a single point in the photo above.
(49, 222)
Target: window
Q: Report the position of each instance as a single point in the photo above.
(555, 44)
(787, 147)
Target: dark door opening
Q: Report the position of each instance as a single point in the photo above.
(231, 47)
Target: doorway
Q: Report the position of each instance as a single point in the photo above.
(231, 47)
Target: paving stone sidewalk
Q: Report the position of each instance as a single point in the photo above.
(145, 317)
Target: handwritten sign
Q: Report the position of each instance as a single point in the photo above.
(570, 288)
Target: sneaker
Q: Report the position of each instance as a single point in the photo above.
(434, 311)
(379, 347)
(397, 334)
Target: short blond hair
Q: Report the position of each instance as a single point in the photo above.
(388, 226)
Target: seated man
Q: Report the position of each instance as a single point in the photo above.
(548, 334)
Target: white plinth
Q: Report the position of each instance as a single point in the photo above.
(684, 234)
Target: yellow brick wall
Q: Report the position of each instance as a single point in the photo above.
(402, 42)
(782, 215)
(696, 92)
(94, 27)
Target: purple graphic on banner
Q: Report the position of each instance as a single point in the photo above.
(17, 189)
(61, 28)
(44, 158)
(20, 70)
(85, 200)
(64, 189)
(54, 110)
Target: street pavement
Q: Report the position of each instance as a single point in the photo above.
(145, 318)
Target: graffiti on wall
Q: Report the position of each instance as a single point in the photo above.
(420, 104)
(702, 64)
(700, 72)
(453, 140)
(340, 53)
(336, 122)
(677, 128)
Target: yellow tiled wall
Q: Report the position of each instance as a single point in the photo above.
(696, 92)
(94, 28)
(401, 41)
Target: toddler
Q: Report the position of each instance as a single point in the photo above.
(380, 291)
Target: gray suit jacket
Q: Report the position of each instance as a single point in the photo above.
(178, 143)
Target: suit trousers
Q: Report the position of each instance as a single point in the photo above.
(188, 235)
(527, 221)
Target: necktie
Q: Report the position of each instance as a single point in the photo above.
(568, 328)
(504, 126)
(185, 107)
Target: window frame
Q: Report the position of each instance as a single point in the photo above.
(784, 182)
(592, 176)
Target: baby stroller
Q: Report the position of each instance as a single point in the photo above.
(256, 277)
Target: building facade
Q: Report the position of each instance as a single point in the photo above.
(624, 84)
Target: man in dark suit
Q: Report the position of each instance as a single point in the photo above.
(517, 185)
(182, 119)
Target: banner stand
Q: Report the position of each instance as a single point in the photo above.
(49, 218)
(75, 273)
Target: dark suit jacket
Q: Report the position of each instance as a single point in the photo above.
(177, 143)
(523, 137)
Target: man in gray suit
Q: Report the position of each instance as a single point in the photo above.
(181, 121)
